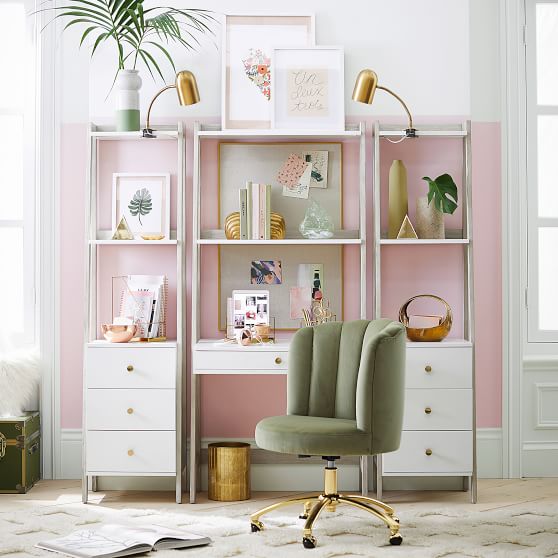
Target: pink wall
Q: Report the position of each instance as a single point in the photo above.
(225, 398)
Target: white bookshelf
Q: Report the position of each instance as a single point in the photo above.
(134, 383)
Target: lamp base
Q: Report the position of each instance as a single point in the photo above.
(410, 133)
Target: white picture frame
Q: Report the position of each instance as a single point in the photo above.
(309, 88)
(245, 105)
(154, 222)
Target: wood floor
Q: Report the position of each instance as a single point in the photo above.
(492, 494)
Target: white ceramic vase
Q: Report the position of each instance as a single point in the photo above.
(429, 220)
(128, 84)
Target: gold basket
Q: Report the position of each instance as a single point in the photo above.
(232, 226)
(436, 333)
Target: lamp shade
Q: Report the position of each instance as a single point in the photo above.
(187, 88)
(365, 86)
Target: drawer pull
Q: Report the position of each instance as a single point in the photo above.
(428, 452)
(130, 410)
(130, 452)
(428, 368)
(278, 360)
(130, 368)
(428, 410)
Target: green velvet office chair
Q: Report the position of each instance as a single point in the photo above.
(344, 397)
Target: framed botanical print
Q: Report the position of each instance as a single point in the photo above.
(247, 80)
(144, 200)
(309, 88)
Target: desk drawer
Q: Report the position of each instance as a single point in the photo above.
(239, 360)
(131, 368)
(131, 452)
(440, 367)
(452, 452)
(438, 409)
(131, 409)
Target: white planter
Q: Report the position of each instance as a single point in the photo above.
(128, 84)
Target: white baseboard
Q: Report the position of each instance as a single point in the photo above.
(290, 476)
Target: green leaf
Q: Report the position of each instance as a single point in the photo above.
(141, 204)
(165, 52)
(443, 191)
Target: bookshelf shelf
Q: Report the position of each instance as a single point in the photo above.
(339, 237)
(216, 133)
(134, 242)
(430, 241)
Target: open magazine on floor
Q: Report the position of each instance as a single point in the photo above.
(111, 541)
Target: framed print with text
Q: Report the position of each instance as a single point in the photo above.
(248, 79)
(309, 88)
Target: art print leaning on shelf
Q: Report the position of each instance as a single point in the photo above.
(250, 308)
(247, 79)
(308, 88)
(144, 200)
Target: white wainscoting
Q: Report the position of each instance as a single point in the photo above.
(539, 447)
(290, 476)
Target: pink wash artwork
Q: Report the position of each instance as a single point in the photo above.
(256, 66)
(301, 297)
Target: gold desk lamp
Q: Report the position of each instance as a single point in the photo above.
(365, 87)
(188, 94)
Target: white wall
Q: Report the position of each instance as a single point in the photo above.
(417, 48)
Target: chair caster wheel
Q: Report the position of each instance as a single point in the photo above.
(396, 519)
(303, 516)
(396, 539)
(309, 542)
(256, 526)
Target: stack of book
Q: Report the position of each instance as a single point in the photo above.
(255, 212)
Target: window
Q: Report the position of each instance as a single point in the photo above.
(542, 162)
(17, 177)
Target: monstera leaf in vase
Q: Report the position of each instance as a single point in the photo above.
(141, 204)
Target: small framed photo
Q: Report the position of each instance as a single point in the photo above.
(248, 80)
(250, 308)
(309, 88)
(144, 199)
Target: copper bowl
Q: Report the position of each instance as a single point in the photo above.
(425, 334)
(118, 333)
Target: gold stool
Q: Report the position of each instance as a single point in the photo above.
(330, 498)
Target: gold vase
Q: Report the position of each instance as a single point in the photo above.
(398, 205)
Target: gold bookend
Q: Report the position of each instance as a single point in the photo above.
(232, 226)
(122, 231)
(407, 230)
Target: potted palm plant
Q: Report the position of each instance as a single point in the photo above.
(139, 36)
(441, 198)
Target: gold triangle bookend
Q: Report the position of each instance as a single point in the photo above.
(122, 231)
(407, 230)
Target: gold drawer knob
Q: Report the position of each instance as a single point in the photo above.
(278, 360)
(428, 368)
(428, 410)
(130, 368)
(130, 410)
(428, 452)
(130, 452)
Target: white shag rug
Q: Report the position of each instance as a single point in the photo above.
(518, 532)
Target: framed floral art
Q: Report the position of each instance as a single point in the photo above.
(247, 80)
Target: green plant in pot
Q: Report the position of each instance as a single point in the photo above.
(441, 198)
(139, 36)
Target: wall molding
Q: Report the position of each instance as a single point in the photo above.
(542, 422)
(271, 471)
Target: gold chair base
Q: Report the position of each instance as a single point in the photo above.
(314, 504)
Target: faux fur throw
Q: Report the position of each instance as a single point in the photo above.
(19, 381)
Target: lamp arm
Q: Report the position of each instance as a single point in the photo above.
(401, 101)
(153, 100)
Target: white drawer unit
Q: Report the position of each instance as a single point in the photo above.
(432, 453)
(120, 452)
(131, 409)
(235, 360)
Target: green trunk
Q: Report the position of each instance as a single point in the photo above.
(128, 120)
(20, 455)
